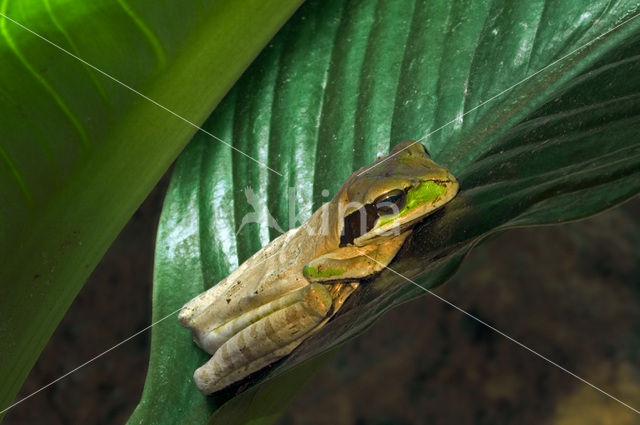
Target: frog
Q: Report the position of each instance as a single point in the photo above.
(295, 284)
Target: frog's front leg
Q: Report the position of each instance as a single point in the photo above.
(354, 262)
(261, 336)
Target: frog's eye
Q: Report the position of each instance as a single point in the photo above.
(364, 219)
(358, 223)
(391, 202)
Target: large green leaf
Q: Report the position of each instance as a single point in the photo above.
(79, 152)
(341, 83)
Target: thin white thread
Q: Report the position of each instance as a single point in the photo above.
(503, 334)
(87, 362)
(459, 117)
(140, 94)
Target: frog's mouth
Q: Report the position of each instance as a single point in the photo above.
(371, 223)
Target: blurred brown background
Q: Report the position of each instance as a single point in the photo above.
(570, 292)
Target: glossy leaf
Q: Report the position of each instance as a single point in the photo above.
(80, 151)
(535, 106)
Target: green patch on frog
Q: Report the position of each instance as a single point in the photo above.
(315, 273)
(425, 192)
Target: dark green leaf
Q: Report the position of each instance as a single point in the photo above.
(535, 106)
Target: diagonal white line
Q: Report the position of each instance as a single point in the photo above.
(138, 93)
(88, 361)
(107, 350)
(531, 350)
(459, 117)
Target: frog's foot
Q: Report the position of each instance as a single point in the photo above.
(264, 336)
(339, 293)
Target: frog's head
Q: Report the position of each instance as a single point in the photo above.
(383, 199)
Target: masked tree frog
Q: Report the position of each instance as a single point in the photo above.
(295, 284)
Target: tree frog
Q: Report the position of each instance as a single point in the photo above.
(295, 284)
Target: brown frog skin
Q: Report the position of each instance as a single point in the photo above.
(295, 284)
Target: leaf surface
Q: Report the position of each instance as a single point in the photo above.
(533, 105)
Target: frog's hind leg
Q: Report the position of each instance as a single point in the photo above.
(266, 340)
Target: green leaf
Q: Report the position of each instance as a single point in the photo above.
(535, 107)
(79, 151)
